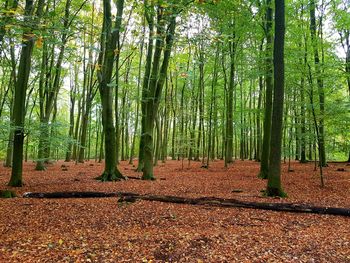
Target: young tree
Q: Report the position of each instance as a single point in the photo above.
(319, 80)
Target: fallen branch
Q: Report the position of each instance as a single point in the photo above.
(70, 195)
(140, 178)
(211, 201)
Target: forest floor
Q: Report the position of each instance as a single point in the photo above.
(103, 230)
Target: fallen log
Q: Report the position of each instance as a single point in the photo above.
(140, 178)
(210, 201)
(69, 195)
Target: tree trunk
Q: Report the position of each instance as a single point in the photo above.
(274, 187)
(145, 84)
(48, 96)
(302, 112)
(207, 201)
(153, 94)
(73, 90)
(265, 154)
(319, 80)
(20, 95)
(137, 103)
(106, 59)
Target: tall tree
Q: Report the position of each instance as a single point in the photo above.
(264, 165)
(274, 187)
(28, 40)
(231, 85)
(155, 75)
(109, 38)
(48, 91)
(319, 80)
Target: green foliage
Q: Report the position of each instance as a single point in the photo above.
(206, 24)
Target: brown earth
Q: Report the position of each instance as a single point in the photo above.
(103, 230)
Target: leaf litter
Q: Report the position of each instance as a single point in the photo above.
(103, 230)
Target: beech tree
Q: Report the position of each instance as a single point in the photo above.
(265, 154)
(163, 20)
(24, 67)
(320, 82)
(186, 80)
(49, 85)
(109, 49)
(274, 187)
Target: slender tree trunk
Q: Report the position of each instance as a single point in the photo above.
(258, 115)
(212, 102)
(73, 90)
(319, 80)
(302, 112)
(101, 155)
(194, 106)
(166, 124)
(50, 94)
(229, 104)
(200, 100)
(265, 154)
(137, 102)
(9, 150)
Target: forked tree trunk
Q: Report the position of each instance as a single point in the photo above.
(48, 96)
(153, 94)
(106, 59)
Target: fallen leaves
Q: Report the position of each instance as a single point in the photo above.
(102, 230)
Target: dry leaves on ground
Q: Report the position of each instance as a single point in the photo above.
(103, 230)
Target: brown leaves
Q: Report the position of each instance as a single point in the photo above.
(39, 42)
(100, 230)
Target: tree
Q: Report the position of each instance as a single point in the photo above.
(274, 187)
(319, 79)
(49, 87)
(109, 40)
(24, 67)
(154, 78)
(265, 154)
(232, 45)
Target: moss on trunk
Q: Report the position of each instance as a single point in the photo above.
(7, 194)
(111, 176)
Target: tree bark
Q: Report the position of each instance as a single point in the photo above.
(49, 96)
(20, 95)
(319, 81)
(230, 90)
(152, 95)
(274, 187)
(106, 60)
(265, 154)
